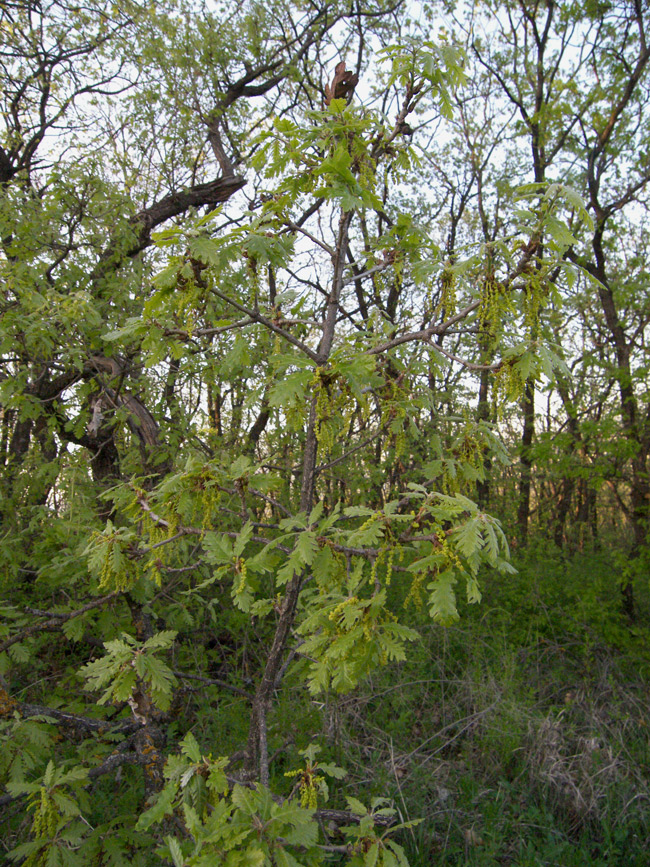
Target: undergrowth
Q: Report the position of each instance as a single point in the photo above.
(520, 737)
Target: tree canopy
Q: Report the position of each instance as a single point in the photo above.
(281, 286)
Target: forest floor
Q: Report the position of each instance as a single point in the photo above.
(520, 736)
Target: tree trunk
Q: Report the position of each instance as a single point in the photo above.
(483, 413)
(526, 461)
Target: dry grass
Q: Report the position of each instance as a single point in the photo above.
(501, 751)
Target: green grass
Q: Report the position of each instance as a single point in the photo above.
(521, 736)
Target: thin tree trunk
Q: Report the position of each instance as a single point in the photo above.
(257, 761)
(526, 461)
(568, 486)
(483, 413)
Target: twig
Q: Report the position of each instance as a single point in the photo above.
(207, 332)
(295, 228)
(469, 365)
(267, 323)
(270, 500)
(211, 681)
(56, 621)
(157, 519)
(343, 817)
(74, 720)
(469, 720)
(347, 454)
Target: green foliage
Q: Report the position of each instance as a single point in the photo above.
(107, 560)
(247, 826)
(370, 849)
(262, 358)
(26, 745)
(127, 665)
(493, 728)
(55, 828)
(310, 782)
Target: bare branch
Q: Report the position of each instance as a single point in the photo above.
(56, 621)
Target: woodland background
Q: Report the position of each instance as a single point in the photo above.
(325, 431)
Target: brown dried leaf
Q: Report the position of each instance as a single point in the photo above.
(343, 84)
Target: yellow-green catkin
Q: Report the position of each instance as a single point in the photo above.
(452, 559)
(394, 414)
(414, 596)
(336, 614)
(46, 817)
(153, 571)
(508, 386)
(489, 311)
(448, 299)
(113, 575)
(209, 499)
(308, 786)
(375, 565)
(44, 827)
(386, 554)
(389, 564)
(309, 792)
(334, 406)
